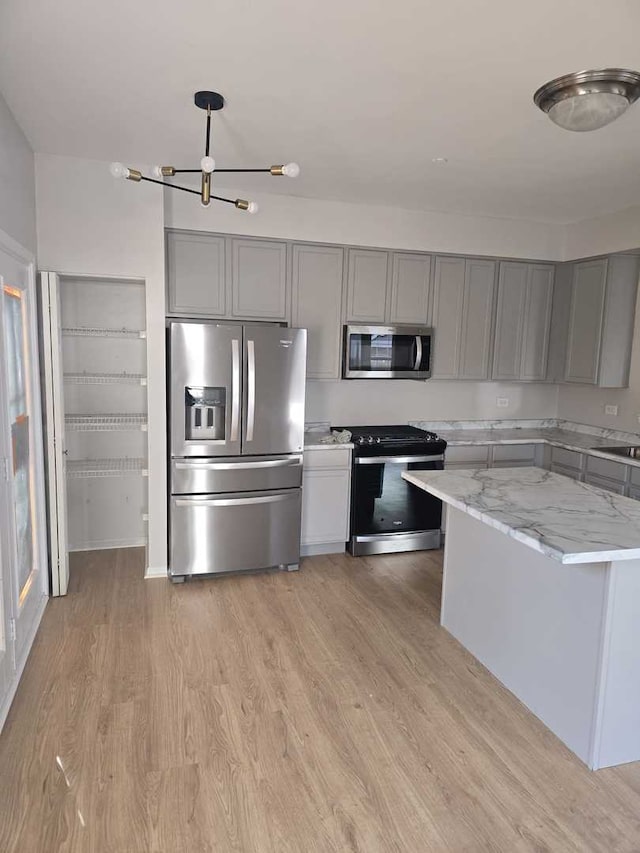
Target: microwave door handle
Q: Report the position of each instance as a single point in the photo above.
(416, 366)
(235, 389)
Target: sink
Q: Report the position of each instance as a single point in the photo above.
(631, 452)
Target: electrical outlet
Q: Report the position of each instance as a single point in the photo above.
(503, 403)
(611, 410)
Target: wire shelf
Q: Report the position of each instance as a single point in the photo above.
(105, 378)
(81, 331)
(105, 423)
(86, 468)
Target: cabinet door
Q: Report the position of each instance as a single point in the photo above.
(195, 274)
(512, 298)
(477, 316)
(325, 506)
(585, 321)
(317, 300)
(536, 322)
(259, 279)
(604, 483)
(448, 299)
(559, 324)
(367, 286)
(410, 285)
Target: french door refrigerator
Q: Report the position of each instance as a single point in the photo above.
(236, 427)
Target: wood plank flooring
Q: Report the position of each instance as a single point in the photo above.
(319, 711)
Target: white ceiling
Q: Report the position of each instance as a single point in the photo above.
(362, 93)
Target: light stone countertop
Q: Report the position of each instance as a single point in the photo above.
(564, 519)
(312, 441)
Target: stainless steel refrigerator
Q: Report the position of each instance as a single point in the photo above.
(236, 426)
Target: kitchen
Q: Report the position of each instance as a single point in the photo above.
(500, 395)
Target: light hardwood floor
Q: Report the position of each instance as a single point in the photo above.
(318, 711)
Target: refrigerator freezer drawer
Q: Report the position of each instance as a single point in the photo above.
(235, 474)
(234, 532)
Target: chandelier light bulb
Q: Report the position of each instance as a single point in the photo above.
(253, 207)
(291, 170)
(156, 172)
(207, 164)
(119, 170)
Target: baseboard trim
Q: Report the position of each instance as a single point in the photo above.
(322, 548)
(155, 572)
(6, 705)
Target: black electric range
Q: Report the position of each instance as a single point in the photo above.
(388, 513)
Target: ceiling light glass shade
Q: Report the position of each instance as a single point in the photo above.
(588, 100)
(588, 112)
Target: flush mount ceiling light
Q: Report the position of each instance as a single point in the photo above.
(209, 101)
(587, 100)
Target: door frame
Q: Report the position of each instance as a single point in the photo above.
(24, 617)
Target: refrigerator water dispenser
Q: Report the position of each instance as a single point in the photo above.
(205, 413)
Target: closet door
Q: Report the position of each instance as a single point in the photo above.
(55, 433)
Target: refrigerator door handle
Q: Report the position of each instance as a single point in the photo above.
(235, 466)
(235, 389)
(251, 389)
(262, 499)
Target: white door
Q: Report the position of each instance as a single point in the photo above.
(55, 436)
(23, 538)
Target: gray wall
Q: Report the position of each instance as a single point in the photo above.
(17, 182)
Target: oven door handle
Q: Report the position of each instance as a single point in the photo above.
(418, 362)
(397, 460)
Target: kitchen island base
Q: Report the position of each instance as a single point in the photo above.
(564, 638)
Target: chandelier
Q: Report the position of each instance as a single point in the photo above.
(209, 101)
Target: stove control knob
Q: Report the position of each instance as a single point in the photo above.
(378, 440)
(370, 440)
(361, 440)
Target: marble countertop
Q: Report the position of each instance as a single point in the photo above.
(564, 519)
(312, 441)
(569, 439)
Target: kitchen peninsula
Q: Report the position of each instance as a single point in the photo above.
(542, 585)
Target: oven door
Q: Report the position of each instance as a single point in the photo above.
(387, 352)
(387, 512)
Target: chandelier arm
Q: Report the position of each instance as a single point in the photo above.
(187, 189)
(198, 171)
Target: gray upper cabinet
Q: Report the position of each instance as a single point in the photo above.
(410, 288)
(601, 317)
(317, 300)
(585, 321)
(523, 320)
(259, 279)
(367, 275)
(477, 319)
(195, 274)
(448, 300)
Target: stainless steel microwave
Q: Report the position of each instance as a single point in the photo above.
(387, 352)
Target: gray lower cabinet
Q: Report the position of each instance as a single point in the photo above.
(196, 274)
(463, 297)
(367, 276)
(258, 279)
(600, 324)
(326, 489)
(317, 301)
(523, 320)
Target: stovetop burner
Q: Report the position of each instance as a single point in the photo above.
(390, 436)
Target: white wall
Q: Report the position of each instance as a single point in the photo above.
(586, 405)
(391, 401)
(17, 182)
(293, 218)
(91, 224)
(617, 232)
